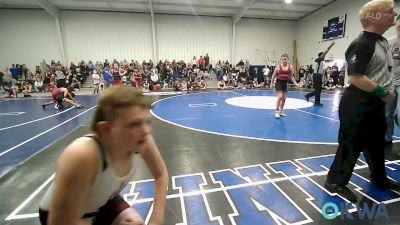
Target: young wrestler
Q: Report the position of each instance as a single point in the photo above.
(61, 95)
(93, 169)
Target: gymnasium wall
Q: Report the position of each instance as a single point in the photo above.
(309, 31)
(27, 36)
(274, 37)
(182, 37)
(100, 35)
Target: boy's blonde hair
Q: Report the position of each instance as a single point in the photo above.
(114, 99)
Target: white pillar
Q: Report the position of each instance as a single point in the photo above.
(64, 59)
(233, 50)
(153, 34)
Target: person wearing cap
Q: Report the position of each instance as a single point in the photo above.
(317, 77)
(362, 106)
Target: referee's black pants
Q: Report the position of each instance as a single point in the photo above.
(317, 81)
(362, 129)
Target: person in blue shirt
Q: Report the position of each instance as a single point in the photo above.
(107, 77)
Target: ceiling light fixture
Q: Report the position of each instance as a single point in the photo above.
(288, 1)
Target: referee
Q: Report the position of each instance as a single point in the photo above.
(317, 77)
(362, 106)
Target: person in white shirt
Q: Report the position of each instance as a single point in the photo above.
(266, 73)
(96, 81)
(38, 84)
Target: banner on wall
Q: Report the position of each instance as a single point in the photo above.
(334, 28)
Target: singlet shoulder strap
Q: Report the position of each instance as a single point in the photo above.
(101, 149)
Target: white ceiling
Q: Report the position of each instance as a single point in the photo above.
(270, 9)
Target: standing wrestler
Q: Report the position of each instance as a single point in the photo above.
(117, 74)
(282, 75)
